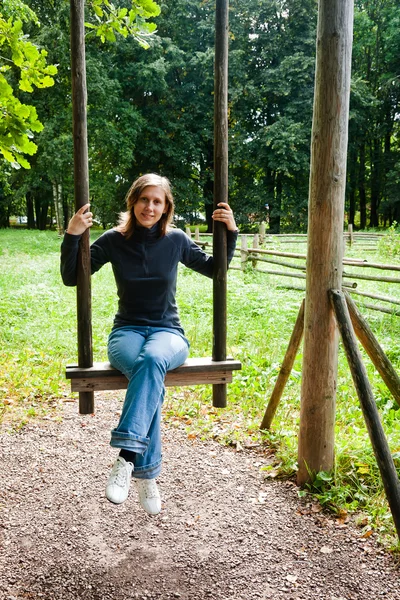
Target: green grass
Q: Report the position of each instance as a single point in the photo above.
(38, 337)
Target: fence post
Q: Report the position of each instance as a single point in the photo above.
(255, 246)
(197, 234)
(243, 251)
(188, 231)
(262, 232)
(350, 230)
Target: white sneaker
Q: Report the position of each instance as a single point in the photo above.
(149, 496)
(119, 481)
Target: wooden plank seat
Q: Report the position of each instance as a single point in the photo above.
(195, 371)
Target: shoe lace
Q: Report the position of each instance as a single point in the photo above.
(120, 474)
(149, 488)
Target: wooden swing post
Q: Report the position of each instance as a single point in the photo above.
(220, 191)
(81, 193)
(325, 236)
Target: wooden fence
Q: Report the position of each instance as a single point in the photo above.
(254, 252)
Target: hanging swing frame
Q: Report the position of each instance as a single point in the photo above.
(87, 377)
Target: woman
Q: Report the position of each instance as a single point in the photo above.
(147, 339)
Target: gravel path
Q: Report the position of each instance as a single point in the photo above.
(224, 532)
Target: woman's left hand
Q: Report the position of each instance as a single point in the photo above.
(224, 214)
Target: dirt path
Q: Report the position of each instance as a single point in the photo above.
(224, 533)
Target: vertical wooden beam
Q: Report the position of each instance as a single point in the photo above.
(256, 245)
(350, 230)
(81, 190)
(220, 190)
(243, 252)
(262, 232)
(325, 236)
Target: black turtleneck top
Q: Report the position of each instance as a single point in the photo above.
(145, 270)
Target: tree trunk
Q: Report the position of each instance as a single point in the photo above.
(65, 210)
(41, 210)
(361, 189)
(29, 211)
(269, 181)
(325, 236)
(375, 183)
(4, 210)
(207, 169)
(352, 182)
(58, 208)
(275, 210)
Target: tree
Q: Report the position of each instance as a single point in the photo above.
(23, 64)
(52, 166)
(374, 125)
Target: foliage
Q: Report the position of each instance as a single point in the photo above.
(153, 110)
(20, 59)
(389, 245)
(19, 55)
(110, 19)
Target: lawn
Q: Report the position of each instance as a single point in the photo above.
(38, 338)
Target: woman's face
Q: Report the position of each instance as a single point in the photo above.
(150, 206)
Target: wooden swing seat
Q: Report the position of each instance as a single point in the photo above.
(195, 371)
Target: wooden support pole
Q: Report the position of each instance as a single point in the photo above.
(262, 232)
(379, 443)
(350, 230)
(220, 190)
(188, 231)
(285, 370)
(81, 191)
(243, 252)
(255, 248)
(374, 350)
(325, 236)
(197, 234)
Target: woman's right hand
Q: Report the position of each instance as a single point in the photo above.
(80, 221)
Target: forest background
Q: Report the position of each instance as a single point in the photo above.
(152, 110)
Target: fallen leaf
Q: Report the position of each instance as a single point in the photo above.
(367, 534)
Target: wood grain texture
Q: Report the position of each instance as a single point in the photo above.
(195, 371)
(285, 369)
(81, 192)
(325, 236)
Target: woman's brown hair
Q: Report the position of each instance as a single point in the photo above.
(127, 223)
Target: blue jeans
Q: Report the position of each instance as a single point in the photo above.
(144, 355)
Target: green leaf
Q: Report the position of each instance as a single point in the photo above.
(98, 10)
